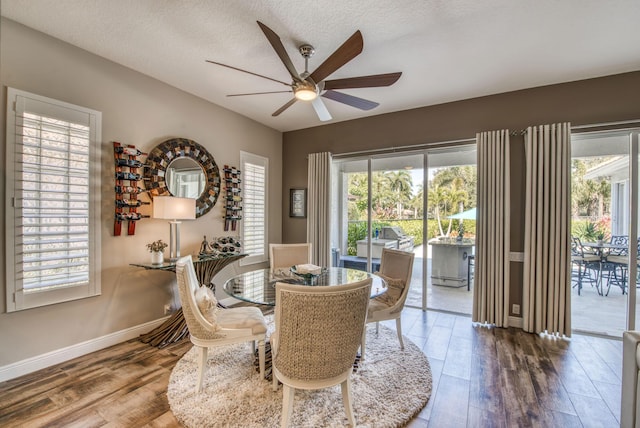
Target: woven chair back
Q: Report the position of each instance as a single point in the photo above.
(319, 328)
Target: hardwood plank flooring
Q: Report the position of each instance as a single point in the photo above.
(482, 377)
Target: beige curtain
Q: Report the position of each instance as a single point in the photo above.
(547, 254)
(491, 278)
(319, 208)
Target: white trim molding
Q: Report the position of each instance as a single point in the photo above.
(39, 362)
(515, 322)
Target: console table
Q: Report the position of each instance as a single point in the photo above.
(175, 328)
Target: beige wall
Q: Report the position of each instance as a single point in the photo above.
(135, 110)
(607, 99)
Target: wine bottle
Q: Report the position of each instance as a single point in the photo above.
(130, 203)
(233, 189)
(234, 198)
(129, 189)
(131, 151)
(233, 180)
(128, 176)
(132, 163)
(231, 169)
(130, 216)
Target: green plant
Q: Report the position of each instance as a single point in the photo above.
(157, 246)
(590, 231)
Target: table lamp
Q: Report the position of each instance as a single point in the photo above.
(174, 209)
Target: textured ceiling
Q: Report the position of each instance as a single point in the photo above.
(447, 49)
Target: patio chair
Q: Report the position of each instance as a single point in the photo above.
(583, 263)
(211, 326)
(618, 260)
(396, 268)
(283, 256)
(316, 339)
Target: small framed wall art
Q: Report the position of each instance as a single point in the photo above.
(298, 203)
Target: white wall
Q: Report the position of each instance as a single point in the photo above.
(138, 110)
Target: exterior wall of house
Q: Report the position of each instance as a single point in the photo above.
(139, 110)
(601, 100)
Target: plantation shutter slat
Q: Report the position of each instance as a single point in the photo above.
(51, 203)
(254, 207)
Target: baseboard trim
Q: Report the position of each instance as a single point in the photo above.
(39, 362)
(515, 322)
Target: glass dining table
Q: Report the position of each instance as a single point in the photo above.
(259, 286)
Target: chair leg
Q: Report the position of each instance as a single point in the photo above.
(287, 404)
(363, 342)
(261, 356)
(346, 400)
(579, 279)
(274, 379)
(399, 331)
(202, 363)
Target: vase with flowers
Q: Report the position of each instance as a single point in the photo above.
(156, 249)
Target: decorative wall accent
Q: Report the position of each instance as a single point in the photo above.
(221, 246)
(233, 201)
(127, 187)
(161, 156)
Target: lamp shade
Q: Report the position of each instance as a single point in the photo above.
(172, 208)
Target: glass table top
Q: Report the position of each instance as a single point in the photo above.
(259, 286)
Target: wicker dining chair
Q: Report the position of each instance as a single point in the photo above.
(283, 256)
(396, 268)
(316, 339)
(211, 326)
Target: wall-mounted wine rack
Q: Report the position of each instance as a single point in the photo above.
(233, 199)
(128, 186)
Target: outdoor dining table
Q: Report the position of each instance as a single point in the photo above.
(603, 249)
(259, 286)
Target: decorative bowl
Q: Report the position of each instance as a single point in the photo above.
(309, 278)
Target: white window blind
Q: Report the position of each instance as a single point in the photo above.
(52, 214)
(254, 207)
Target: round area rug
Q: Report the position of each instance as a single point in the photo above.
(389, 388)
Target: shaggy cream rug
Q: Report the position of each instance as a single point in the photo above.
(389, 388)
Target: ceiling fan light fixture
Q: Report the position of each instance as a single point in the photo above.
(305, 93)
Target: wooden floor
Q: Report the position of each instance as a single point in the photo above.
(482, 377)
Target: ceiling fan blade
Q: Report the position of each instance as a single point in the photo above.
(372, 81)
(284, 107)
(248, 72)
(275, 41)
(321, 109)
(345, 53)
(350, 100)
(259, 93)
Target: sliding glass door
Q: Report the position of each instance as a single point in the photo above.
(604, 231)
(421, 202)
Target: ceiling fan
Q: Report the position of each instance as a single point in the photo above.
(311, 86)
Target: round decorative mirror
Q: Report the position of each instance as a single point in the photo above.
(183, 168)
(185, 178)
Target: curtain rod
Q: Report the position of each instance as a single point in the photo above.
(404, 148)
(469, 140)
(589, 126)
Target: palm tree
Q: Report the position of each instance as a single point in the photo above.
(437, 196)
(401, 183)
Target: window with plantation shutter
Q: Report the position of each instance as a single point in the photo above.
(254, 207)
(53, 201)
